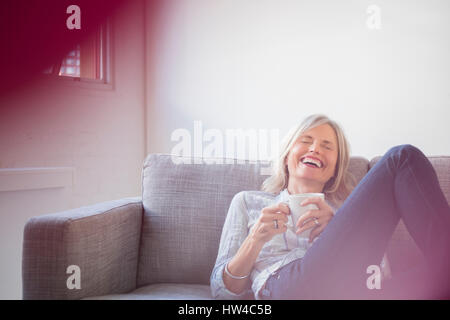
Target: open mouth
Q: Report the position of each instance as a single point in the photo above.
(311, 162)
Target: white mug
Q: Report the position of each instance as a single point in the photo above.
(297, 210)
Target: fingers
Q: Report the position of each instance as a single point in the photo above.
(278, 212)
(278, 208)
(323, 211)
(316, 224)
(309, 215)
(319, 202)
(271, 228)
(270, 217)
(278, 222)
(279, 227)
(307, 221)
(308, 225)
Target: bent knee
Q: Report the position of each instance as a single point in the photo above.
(406, 150)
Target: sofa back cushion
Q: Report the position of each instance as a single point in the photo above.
(185, 206)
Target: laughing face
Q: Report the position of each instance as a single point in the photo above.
(312, 160)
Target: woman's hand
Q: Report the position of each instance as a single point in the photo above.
(322, 216)
(272, 221)
(262, 231)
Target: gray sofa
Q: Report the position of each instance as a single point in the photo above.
(163, 245)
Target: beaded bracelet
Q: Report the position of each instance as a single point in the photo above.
(232, 276)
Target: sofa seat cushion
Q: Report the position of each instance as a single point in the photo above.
(163, 291)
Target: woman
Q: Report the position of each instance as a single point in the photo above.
(259, 255)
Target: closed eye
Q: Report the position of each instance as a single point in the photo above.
(325, 143)
(326, 146)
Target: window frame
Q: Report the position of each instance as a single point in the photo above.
(106, 67)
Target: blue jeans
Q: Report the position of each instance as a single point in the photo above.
(403, 184)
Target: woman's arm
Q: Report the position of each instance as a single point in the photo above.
(240, 255)
(242, 264)
(234, 233)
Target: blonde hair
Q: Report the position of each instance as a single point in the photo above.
(339, 186)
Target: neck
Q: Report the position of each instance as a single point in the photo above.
(304, 186)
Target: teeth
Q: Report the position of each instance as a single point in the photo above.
(313, 161)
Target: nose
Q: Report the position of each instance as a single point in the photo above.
(314, 147)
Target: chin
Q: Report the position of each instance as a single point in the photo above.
(309, 177)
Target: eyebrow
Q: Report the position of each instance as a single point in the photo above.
(309, 137)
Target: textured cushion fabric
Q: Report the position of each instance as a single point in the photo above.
(358, 167)
(163, 291)
(102, 240)
(403, 252)
(185, 206)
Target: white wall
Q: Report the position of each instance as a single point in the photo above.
(99, 133)
(267, 64)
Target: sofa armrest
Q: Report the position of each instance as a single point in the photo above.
(102, 240)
